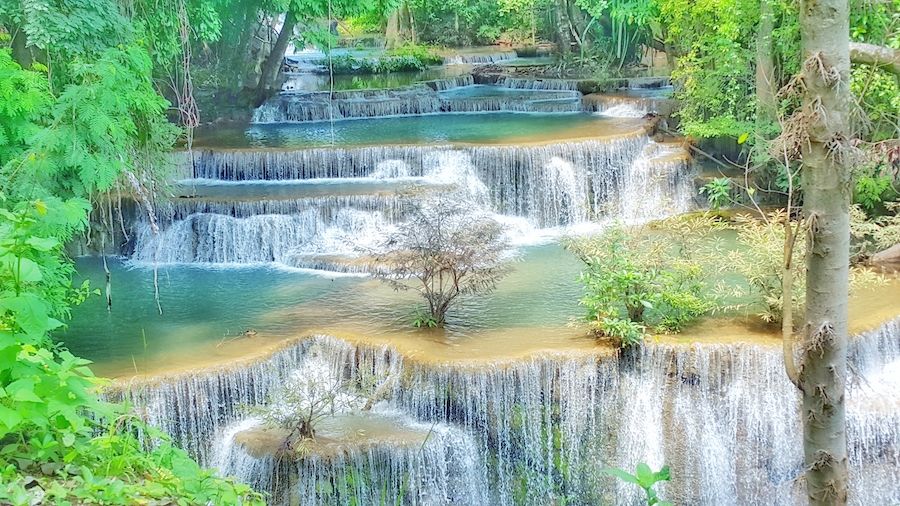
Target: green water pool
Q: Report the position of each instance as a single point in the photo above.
(463, 128)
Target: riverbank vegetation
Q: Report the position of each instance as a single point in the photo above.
(80, 121)
(87, 92)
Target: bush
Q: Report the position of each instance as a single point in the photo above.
(760, 261)
(445, 250)
(426, 55)
(637, 280)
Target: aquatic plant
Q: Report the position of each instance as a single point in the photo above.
(637, 281)
(645, 478)
(718, 192)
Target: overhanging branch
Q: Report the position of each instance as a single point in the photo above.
(884, 58)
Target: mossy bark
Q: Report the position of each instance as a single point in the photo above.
(826, 182)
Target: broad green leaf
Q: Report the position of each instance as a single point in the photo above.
(31, 313)
(42, 243)
(22, 390)
(743, 138)
(618, 473)
(26, 270)
(662, 474)
(9, 418)
(644, 474)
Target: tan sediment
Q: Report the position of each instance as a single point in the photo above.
(605, 130)
(477, 348)
(335, 436)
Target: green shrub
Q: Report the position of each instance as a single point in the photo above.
(639, 279)
(718, 192)
(427, 55)
(646, 479)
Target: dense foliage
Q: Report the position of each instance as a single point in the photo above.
(638, 281)
(85, 119)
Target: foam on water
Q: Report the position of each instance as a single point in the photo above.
(534, 430)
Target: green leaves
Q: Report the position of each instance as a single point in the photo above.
(106, 119)
(646, 479)
(718, 192)
(636, 281)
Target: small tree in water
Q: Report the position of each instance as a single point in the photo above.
(446, 249)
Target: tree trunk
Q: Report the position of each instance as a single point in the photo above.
(273, 62)
(824, 29)
(562, 26)
(766, 105)
(413, 32)
(21, 53)
(392, 32)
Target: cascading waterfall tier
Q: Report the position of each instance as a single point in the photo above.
(424, 98)
(523, 83)
(540, 429)
(449, 84)
(295, 233)
(324, 106)
(480, 59)
(548, 185)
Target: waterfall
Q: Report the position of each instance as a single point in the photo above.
(551, 185)
(480, 59)
(618, 106)
(195, 408)
(449, 84)
(424, 98)
(522, 83)
(535, 430)
(443, 467)
(323, 106)
(543, 103)
(287, 232)
(655, 187)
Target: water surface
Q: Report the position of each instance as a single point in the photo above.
(457, 129)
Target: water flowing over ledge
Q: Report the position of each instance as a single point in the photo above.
(459, 94)
(480, 59)
(535, 429)
(553, 185)
(521, 83)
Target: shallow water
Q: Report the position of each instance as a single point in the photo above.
(457, 129)
(204, 310)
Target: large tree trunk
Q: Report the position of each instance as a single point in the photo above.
(272, 65)
(766, 105)
(824, 28)
(392, 32)
(562, 26)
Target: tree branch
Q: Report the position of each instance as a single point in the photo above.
(882, 57)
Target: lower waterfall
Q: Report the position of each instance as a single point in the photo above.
(541, 429)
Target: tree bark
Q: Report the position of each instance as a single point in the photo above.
(562, 26)
(273, 62)
(766, 106)
(21, 53)
(392, 32)
(824, 29)
(883, 57)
